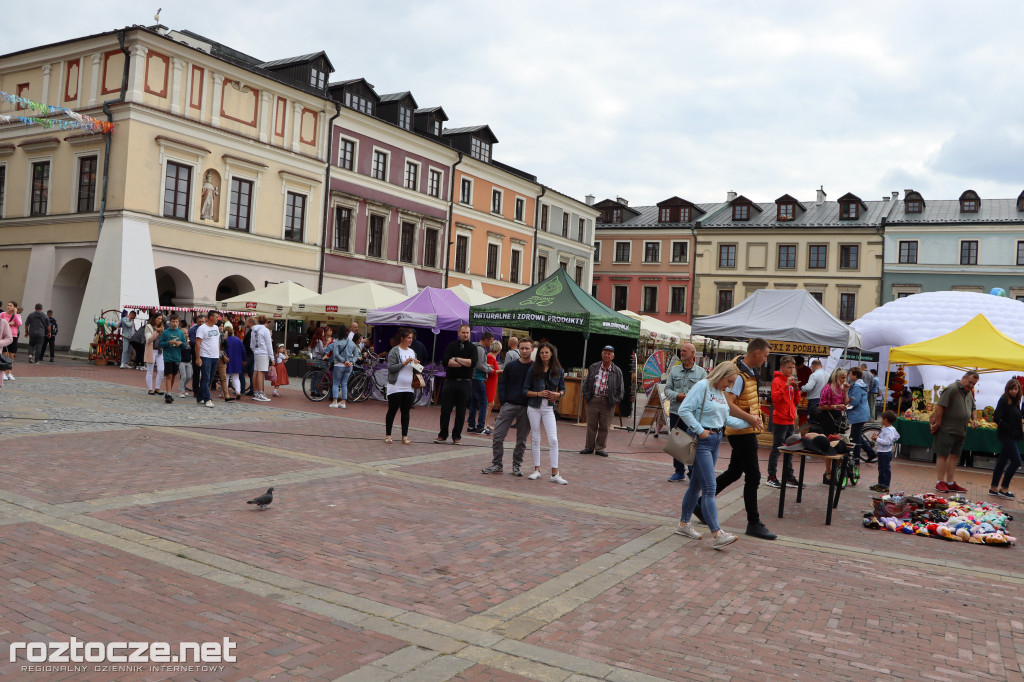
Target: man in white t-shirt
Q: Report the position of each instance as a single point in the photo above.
(353, 329)
(207, 353)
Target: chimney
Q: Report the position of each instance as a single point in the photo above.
(590, 199)
(896, 195)
(885, 200)
(821, 196)
(622, 201)
(730, 195)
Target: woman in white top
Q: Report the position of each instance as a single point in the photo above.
(154, 356)
(400, 392)
(262, 349)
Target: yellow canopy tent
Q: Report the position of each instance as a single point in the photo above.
(977, 345)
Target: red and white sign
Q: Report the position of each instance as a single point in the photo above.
(250, 305)
(332, 308)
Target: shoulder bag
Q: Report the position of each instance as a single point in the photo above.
(680, 444)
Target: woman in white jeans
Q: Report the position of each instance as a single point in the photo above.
(543, 388)
(154, 356)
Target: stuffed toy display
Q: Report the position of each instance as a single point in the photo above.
(956, 519)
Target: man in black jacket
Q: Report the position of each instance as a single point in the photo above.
(38, 326)
(513, 409)
(459, 363)
(52, 338)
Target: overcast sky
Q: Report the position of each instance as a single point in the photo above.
(647, 100)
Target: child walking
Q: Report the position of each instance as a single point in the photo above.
(884, 441)
(280, 373)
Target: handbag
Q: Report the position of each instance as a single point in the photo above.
(272, 373)
(139, 336)
(5, 364)
(680, 444)
(417, 376)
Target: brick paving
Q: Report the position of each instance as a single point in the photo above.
(121, 518)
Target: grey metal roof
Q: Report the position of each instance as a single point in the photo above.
(948, 211)
(297, 60)
(431, 110)
(397, 97)
(471, 129)
(649, 218)
(825, 214)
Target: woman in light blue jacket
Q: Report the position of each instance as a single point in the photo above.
(859, 412)
(344, 354)
(705, 413)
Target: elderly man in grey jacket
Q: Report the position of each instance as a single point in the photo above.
(602, 389)
(680, 380)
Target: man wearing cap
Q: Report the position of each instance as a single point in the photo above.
(602, 389)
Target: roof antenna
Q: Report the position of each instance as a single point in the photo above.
(156, 17)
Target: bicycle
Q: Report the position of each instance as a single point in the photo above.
(848, 472)
(357, 385)
(316, 384)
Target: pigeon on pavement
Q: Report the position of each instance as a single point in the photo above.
(264, 500)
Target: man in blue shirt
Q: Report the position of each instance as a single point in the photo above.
(680, 380)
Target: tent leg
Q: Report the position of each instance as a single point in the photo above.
(579, 408)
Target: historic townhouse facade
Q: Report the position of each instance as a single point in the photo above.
(565, 237)
(643, 256)
(833, 249)
(966, 244)
(214, 178)
(389, 192)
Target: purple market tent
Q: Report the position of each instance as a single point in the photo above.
(434, 310)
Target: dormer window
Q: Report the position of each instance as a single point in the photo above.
(848, 210)
(405, 118)
(674, 214)
(970, 202)
(437, 128)
(616, 215)
(480, 150)
(353, 101)
(317, 78)
(786, 212)
(913, 206)
(741, 211)
(664, 215)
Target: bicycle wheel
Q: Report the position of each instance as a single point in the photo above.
(843, 474)
(316, 385)
(854, 471)
(357, 386)
(866, 439)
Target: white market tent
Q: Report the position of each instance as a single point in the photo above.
(470, 295)
(276, 299)
(653, 328)
(782, 315)
(354, 301)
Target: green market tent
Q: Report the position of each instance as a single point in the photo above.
(558, 304)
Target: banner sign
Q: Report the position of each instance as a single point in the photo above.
(793, 348)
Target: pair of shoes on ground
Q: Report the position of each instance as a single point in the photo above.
(949, 487)
(878, 488)
(260, 398)
(589, 451)
(442, 441)
(343, 406)
(718, 542)
(1005, 494)
(757, 530)
(498, 469)
(555, 478)
(676, 477)
(774, 482)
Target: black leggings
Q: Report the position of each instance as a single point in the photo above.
(398, 401)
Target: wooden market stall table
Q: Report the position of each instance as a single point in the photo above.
(915, 433)
(833, 489)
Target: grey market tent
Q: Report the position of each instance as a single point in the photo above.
(782, 315)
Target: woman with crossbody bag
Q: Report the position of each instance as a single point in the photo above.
(543, 388)
(705, 412)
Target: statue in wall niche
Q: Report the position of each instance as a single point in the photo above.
(211, 194)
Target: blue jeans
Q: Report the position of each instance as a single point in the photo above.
(477, 405)
(206, 372)
(884, 468)
(703, 477)
(341, 375)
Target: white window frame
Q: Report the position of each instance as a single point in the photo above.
(501, 202)
(520, 273)
(419, 174)
(493, 242)
(305, 217)
(402, 109)
(438, 261)
(76, 178)
(685, 261)
(643, 297)
(462, 180)
(190, 217)
(546, 255)
(236, 168)
(624, 286)
(49, 188)
(416, 226)
(515, 209)
(387, 166)
(597, 251)
(615, 251)
(431, 171)
(960, 250)
(469, 251)
(370, 212)
(353, 207)
(909, 289)
(917, 251)
(355, 153)
(652, 262)
(671, 288)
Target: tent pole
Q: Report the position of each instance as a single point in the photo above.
(579, 408)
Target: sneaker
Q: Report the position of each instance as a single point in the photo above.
(493, 469)
(878, 488)
(534, 476)
(333, 405)
(994, 493)
(472, 429)
(942, 487)
(209, 403)
(688, 531)
(586, 451)
(10, 377)
(1007, 495)
(440, 441)
(676, 477)
(773, 482)
(124, 367)
(344, 406)
(261, 398)
(557, 478)
(791, 482)
(723, 539)
(488, 431)
(168, 398)
(699, 515)
(954, 488)
(516, 471)
(759, 530)
(182, 395)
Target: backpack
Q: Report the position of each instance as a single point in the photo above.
(139, 336)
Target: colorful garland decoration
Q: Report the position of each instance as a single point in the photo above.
(78, 121)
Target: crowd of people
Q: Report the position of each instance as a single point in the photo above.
(40, 328)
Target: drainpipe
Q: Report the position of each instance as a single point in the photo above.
(693, 265)
(327, 198)
(536, 232)
(110, 119)
(451, 222)
(881, 283)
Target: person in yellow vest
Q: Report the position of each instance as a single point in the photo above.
(745, 404)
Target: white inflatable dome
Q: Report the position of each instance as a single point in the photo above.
(924, 316)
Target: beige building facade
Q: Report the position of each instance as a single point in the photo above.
(213, 185)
